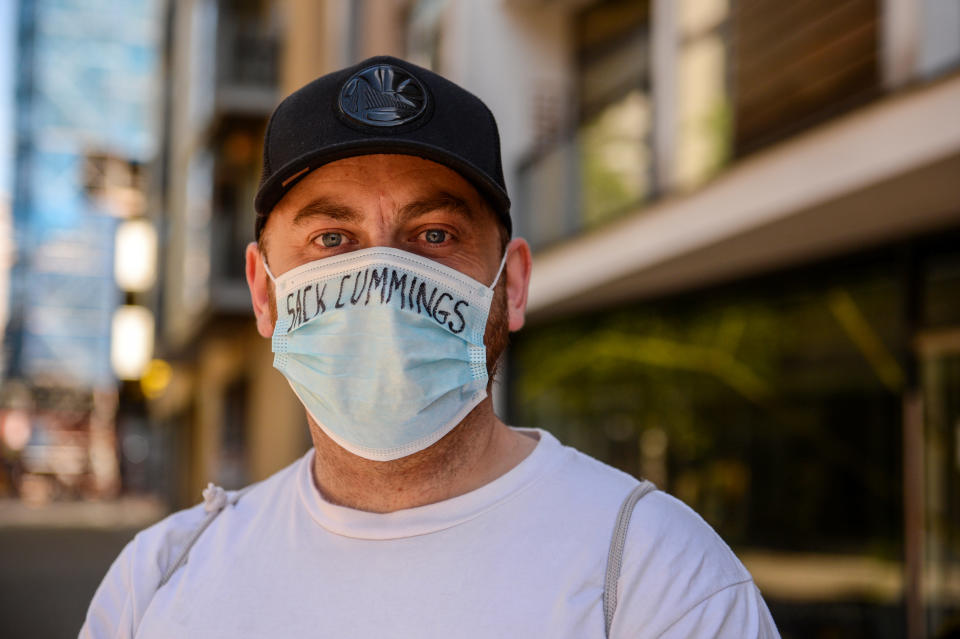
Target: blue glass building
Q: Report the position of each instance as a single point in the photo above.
(86, 103)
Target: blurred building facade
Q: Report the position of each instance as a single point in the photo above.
(228, 415)
(85, 85)
(222, 81)
(745, 217)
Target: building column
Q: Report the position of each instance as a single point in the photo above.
(899, 48)
(663, 74)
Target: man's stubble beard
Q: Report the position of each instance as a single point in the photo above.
(496, 338)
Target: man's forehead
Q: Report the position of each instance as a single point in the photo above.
(412, 166)
(402, 179)
(343, 209)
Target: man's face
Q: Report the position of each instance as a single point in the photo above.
(399, 201)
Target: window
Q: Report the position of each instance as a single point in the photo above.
(601, 166)
(615, 108)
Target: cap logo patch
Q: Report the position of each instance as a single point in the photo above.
(383, 95)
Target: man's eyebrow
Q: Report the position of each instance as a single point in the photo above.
(326, 207)
(440, 201)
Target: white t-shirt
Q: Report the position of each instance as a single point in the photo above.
(523, 556)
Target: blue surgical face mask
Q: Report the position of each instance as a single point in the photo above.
(383, 347)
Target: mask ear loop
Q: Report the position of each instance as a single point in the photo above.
(503, 263)
(266, 267)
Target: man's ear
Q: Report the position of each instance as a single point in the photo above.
(517, 272)
(259, 285)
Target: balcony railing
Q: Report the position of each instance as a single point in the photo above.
(247, 65)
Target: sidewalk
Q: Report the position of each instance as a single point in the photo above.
(126, 512)
(53, 557)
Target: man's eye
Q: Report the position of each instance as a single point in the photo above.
(331, 240)
(435, 236)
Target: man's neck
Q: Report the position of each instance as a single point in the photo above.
(477, 451)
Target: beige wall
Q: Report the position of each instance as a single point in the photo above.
(382, 32)
(317, 36)
(276, 430)
(310, 43)
(279, 427)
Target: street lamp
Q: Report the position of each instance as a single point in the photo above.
(135, 258)
(135, 270)
(131, 346)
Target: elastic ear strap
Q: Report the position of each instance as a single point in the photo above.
(503, 263)
(266, 267)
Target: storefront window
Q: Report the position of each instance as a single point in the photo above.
(775, 409)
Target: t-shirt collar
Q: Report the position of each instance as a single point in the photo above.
(431, 518)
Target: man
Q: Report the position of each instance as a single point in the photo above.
(386, 276)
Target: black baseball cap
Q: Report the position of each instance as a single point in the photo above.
(381, 105)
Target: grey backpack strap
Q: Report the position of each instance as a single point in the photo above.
(215, 501)
(615, 554)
